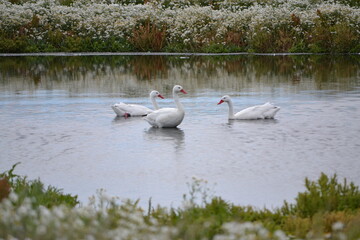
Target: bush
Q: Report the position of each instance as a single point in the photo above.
(325, 195)
(24, 188)
(148, 37)
(326, 210)
(214, 26)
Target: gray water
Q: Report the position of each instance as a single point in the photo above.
(57, 121)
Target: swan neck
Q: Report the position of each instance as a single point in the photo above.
(156, 106)
(231, 109)
(177, 101)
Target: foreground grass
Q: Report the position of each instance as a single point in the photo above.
(331, 26)
(327, 209)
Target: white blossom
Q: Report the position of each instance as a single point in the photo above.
(188, 23)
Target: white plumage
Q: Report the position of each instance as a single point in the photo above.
(134, 110)
(168, 117)
(264, 111)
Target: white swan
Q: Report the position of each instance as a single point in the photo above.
(168, 117)
(135, 110)
(264, 111)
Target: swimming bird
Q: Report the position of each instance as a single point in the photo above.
(168, 117)
(135, 110)
(264, 111)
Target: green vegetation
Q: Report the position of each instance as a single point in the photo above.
(317, 26)
(327, 209)
(35, 189)
(325, 195)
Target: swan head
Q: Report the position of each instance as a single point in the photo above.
(155, 93)
(178, 88)
(225, 98)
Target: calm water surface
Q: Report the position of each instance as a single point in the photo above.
(56, 120)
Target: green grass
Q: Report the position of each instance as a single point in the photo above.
(48, 197)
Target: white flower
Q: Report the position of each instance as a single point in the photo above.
(13, 197)
(280, 235)
(41, 229)
(58, 212)
(23, 210)
(338, 226)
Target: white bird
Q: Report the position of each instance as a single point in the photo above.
(135, 110)
(264, 111)
(168, 117)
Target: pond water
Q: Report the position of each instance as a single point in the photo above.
(57, 121)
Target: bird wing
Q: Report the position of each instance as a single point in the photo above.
(133, 109)
(161, 117)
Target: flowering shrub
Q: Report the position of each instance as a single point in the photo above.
(262, 26)
(85, 25)
(102, 218)
(106, 217)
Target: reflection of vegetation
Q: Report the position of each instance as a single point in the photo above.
(233, 72)
(149, 67)
(327, 209)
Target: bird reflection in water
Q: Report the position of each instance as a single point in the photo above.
(175, 135)
(122, 120)
(231, 122)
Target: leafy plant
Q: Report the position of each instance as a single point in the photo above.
(152, 25)
(326, 210)
(24, 188)
(325, 195)
(148, 37)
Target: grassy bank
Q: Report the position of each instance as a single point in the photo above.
(331, 26)
(328, 209)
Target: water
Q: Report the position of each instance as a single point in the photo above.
(56, 120)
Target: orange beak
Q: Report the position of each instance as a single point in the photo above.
(183, 91)
(221, 101)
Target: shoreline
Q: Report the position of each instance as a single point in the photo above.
(69, 54)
